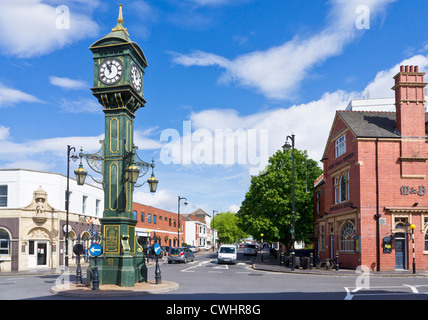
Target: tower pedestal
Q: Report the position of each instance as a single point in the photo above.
(124, 262)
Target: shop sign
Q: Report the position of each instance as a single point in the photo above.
(406, 190)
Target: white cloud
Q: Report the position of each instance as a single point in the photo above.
(278, 71)
(381, 86)
(48, 154)
(33, 28)
(10, 96)
(215, 3)
(81, 105)
(67, 83)
(163, 198)
(4, 133)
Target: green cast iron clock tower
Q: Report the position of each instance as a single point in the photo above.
(119, 65)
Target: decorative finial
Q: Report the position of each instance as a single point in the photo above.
(120, 18)
(120, 22)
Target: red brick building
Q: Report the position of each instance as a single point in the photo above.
(164, 223)
(375, 184)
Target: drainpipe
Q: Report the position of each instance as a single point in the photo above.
(378, 215)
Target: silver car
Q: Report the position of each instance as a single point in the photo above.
(180, 255)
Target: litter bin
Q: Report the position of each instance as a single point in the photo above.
(287, 261)
(297, 262)
(305, 262)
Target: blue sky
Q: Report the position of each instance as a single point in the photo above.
(252, 70)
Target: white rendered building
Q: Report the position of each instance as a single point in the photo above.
(33, 218)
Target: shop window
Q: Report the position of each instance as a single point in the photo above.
(347, 234)
(4, 243)
(340, 146)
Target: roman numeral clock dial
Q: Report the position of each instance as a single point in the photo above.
(110, 71)
(136, 80)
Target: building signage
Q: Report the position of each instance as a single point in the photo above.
(112, 239)
(387, 245)
(406, 190)
(340, 161)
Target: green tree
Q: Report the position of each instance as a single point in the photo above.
(267, 207)
(227, 226)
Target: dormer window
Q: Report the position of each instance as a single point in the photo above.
(340, 146)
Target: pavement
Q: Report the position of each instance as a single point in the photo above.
(264, 261)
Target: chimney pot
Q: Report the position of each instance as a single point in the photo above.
(402, 69)
(416, 68)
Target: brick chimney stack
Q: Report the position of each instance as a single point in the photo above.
(410, 101)
(410, 121)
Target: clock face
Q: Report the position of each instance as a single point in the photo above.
(136, 80)
(110, 71)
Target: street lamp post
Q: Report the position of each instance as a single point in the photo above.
(214, 211)
(287, 147)
(178, 230)
(67, 198)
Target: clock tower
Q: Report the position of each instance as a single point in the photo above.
(119, 65)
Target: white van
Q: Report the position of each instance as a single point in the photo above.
(227, 253)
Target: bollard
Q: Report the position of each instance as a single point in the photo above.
(78, 271)
(311, 261)
(337, 261)
(158, 276)
(293, 262)
(95, 279)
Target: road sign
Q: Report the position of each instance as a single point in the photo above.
(95, 250)
(157, 248)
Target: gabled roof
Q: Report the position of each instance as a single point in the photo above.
(370, 123)
(367, 124)
(200, 212)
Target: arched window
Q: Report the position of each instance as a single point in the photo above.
(4, 243)
(341, 188)
(347, 234)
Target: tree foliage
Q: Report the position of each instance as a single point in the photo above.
(226, 224)
(267, 208)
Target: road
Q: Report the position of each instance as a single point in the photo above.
(204, 279)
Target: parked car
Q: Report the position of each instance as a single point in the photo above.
(250, 249)
(194, 249)
(166, 249)
(227, 253)
(182, 254)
